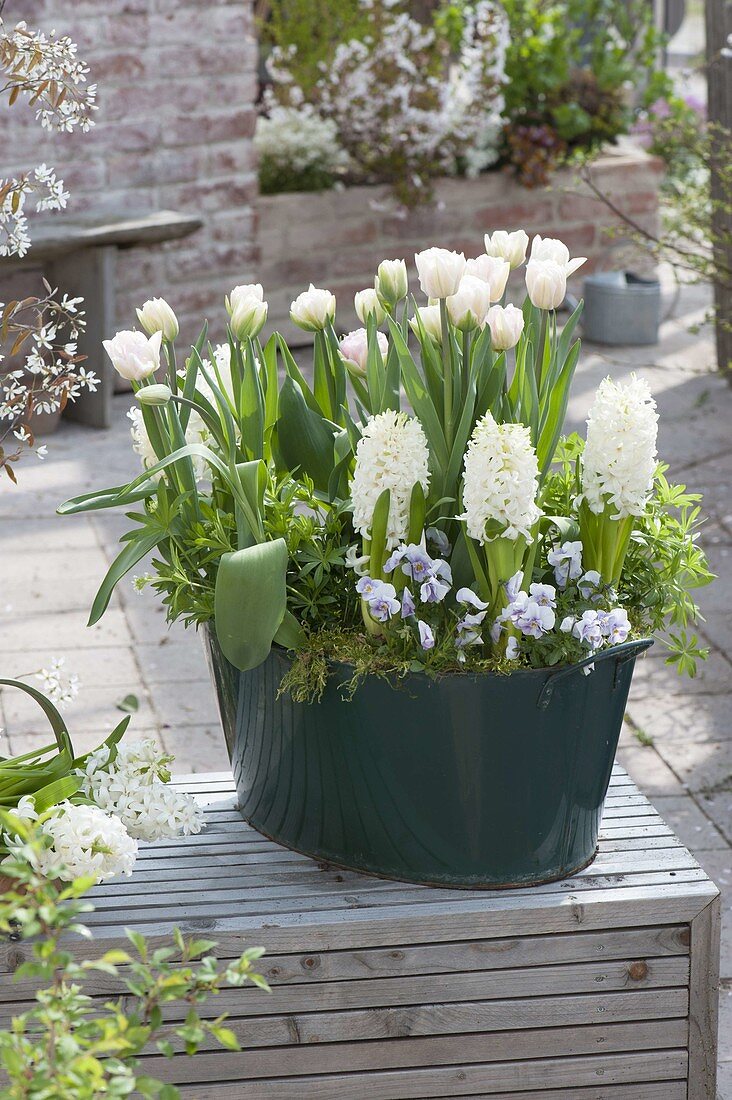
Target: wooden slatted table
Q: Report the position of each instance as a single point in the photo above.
(600, 986)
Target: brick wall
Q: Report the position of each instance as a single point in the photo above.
(177, 82)
(337, 238)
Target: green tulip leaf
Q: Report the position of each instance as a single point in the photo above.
(304, 437)
(250, 602)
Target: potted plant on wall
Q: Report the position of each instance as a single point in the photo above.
(422, 604)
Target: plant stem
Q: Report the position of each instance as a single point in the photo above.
(447, 378)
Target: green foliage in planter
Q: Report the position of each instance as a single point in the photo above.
(313, 28)
(71, 1047)
(568, 66)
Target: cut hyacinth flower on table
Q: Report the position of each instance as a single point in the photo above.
(92, 809)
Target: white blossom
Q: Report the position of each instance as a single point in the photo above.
(354, 348)
(134, 355)
(492, 270)
(134, 787)
(506, 324)
(391, 454)
(549, 248)
(619, 459)
(546, 283)
(508, 246)
(431, 321)
(313, 309)
(60, 688)
(86, 841)
(440, 271)
(365, 303)
(392, 282)
(294, 141)
(501, 481)
(468, 306)
(157, 316)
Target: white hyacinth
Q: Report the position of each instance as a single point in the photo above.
(86, 841)
(501, 480)
(134, 788)
(391, 454)
(619, 459)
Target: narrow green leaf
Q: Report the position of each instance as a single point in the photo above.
(134, 551)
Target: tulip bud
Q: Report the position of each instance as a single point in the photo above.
(546, 283)
(248, 315)
(367, 302)
(354, 349)
(507, 246)
(493, 271)
(468, 306)
(431, 322)
(549, 248)
(134, 355)
(154, 395)
(440, 271)
(157, 316)
(313, 309)
(392, 283)
(248, 290)
(506, 325)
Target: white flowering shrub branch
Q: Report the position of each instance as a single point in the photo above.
(43, 369)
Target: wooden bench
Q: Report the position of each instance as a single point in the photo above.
(79, 258)
(601, 986)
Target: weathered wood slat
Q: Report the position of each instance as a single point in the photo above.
(659, 1090)
(416, 1052)
(419, 1084)
(447, 958)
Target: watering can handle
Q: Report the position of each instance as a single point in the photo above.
(623, 653)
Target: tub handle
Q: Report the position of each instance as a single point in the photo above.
(626, 651)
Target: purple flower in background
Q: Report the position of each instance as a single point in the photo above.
(417, 563)
(496, 631)
(589, 584)
(407, 604)
(367, 586)
(566, 561)
(442, 569)
(439, 540)
(513, 586)
(467, 631)
(468, 597)
(433, 591)
(512, 648)
(567, 624)
(426, 637)
(515, 609)
(616, 626)
(543, 594)
(383, 603)
(589, 629)
(535, 620)
(394, 558)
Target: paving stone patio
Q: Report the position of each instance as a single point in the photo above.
(52, 566)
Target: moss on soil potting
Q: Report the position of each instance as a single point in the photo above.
(306, 680)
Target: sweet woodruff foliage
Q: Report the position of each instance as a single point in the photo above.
(72, 1046)
(412, 504)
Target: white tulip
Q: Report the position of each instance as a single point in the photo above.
(248, 315)
(354, 349)
(134, 355)
(431, 321)
(493, 271)
(392, 282)
(506, 324)
(546, 282)
(313, 309)
(157, 316)
(440, 271)
(246, 290)
(154, 395)
(549, 248)
(367, 302)
(468, 307)
(508, 246)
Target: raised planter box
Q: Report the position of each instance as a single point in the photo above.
(336, 239)
(602, 986)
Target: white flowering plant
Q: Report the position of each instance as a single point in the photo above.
(91, 810)
(411, 504)
(400, 106)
